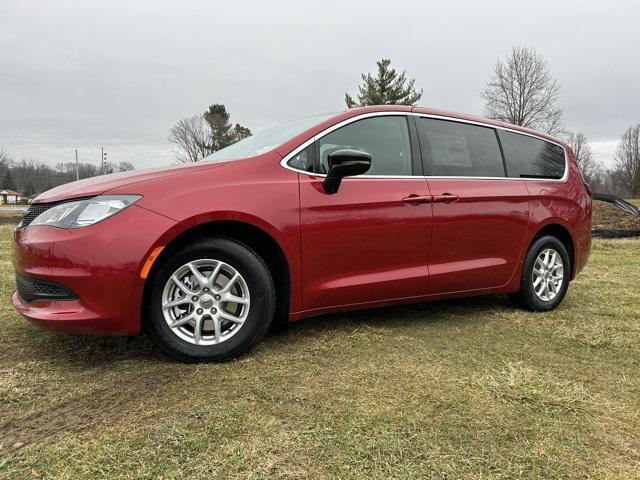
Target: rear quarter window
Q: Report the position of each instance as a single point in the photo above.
(529, 157)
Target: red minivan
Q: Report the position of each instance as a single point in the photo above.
(368, 207)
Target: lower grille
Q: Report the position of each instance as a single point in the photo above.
(31, 289)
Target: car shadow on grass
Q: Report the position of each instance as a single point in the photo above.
(459, 310)
(89, 351)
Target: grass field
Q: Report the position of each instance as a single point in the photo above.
(11, 213)
(460, 389)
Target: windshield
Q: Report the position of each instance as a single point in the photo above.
(268, 139)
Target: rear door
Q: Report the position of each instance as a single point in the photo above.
(480, 217)
(369, 241)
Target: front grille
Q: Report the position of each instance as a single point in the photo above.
(34, 210)
(31, 289)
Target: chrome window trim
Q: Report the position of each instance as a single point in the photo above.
(330, 129)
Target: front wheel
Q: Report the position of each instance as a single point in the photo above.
(212, 301)
(545, 275)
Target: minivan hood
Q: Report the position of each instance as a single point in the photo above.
(97, 185)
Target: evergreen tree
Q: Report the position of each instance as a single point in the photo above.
(218, 119)
(223, 133)
(387, 87)
(8, 182)
(240, 132)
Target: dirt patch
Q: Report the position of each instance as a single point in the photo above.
(82, 412)
(609, 217)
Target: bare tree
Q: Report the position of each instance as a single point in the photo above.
(5, 162)
(86, 170)
(4, 157)
(125, 167)
(192, 136)
(523, 92)
(108, 168)
(588, 165)
(627, 158)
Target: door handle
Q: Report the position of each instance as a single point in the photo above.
(417, 199)
(445, 198)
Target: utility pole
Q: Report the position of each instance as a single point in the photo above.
(77, 167)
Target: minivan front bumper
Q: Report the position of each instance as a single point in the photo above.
(98, 265)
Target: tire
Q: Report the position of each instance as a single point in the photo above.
(529, 296)
(217, 339)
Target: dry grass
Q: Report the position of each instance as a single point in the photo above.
(11, 213)
(461, 389)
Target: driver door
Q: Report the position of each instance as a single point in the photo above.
(369, 241)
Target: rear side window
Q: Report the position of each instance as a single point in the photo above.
(453, 149)
(529, 157)
(386, 139)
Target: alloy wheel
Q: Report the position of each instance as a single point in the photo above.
(548, 274)
(205, 302)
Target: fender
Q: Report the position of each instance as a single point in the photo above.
(211, 218)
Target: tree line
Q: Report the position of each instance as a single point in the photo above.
(30, 177)
(521, 91)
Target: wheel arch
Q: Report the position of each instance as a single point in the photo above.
(563, 234)
(254, 237)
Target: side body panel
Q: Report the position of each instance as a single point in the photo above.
(565, 203)
(363, 244)
(477, 240)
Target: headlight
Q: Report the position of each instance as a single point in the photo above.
(82, 213)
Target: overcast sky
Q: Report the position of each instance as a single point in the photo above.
(118, 74)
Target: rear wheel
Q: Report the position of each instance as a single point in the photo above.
(545, 275)
(211, 301)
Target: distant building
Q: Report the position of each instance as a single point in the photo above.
(10, 197)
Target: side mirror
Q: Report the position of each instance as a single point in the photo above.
(345, 163)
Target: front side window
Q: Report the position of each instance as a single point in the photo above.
(529, 157)
(386, 139)
(303, 160)
(453, 149)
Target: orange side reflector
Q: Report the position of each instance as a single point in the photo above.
(149, 263)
